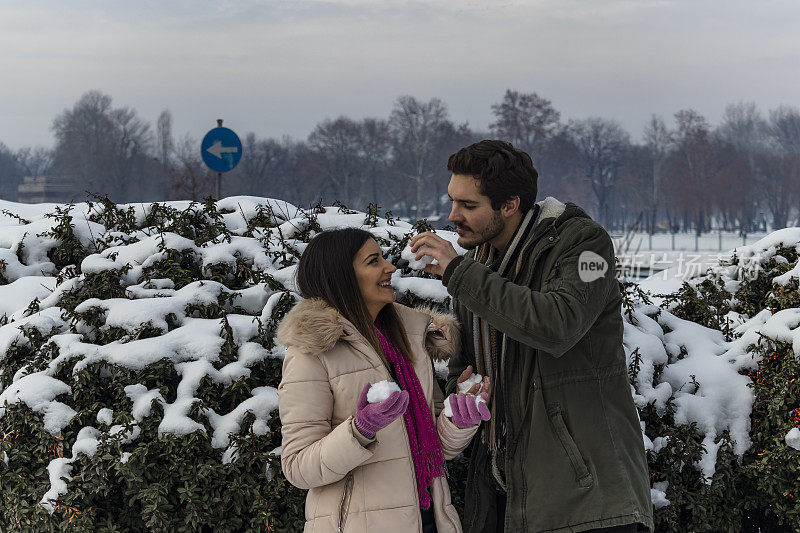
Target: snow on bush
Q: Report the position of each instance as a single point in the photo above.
(138, 368)
(715, 369)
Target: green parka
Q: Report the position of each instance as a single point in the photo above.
(575, 455)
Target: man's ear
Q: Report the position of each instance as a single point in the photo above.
(510, 207)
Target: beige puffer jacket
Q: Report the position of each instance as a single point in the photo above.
(357, 484)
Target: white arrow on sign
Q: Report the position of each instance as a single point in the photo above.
(217, 149)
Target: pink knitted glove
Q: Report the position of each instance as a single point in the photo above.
(466, 411)
(370, 417)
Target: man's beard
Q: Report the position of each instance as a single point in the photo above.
(492, 230)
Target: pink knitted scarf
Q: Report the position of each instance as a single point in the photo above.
(426, 450)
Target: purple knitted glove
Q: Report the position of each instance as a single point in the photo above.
(466, 411)
(370, 417)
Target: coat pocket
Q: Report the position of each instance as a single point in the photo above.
(582, 474)
(344, 505)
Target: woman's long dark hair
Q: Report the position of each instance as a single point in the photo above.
(326, 272)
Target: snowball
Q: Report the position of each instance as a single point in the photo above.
(793, 438)
(463, 387)
(415, 264)
(381, 390)
(448, 409)
(474, 379)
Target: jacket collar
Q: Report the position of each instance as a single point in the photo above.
(313, 326)
(559, 212)
(549, 208)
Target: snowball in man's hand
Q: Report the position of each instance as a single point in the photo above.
(409, 256)
(381, 391)
(474, 379)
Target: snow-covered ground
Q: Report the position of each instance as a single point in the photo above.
(641, 255)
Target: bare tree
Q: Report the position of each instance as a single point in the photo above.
(526, 120)
(784, 128)
(164, 142)
(34, 162)
(189, 177)
(634, 191)
(418, 130)
(658, 140)
(106, 150)
(261, 172)
(375, 148)
(743, 126)
(336, 145)
(10, 173)
(745, 130)
(779, 164)
(601, 144)
(692, 170)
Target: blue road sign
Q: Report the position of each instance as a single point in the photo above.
(221, 149)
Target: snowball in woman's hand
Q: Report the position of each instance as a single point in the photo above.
(448, 408)
(381, 391)
(474, 379)
(409, 256)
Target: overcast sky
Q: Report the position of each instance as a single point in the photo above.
(280, 67)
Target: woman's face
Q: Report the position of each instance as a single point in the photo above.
(374, 273)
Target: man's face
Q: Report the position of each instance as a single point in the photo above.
(472, 212)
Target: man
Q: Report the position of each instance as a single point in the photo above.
(540, 310)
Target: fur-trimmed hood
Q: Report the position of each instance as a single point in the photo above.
(313, 326)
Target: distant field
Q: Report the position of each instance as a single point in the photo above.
(682, 251)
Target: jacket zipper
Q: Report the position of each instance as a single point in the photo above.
(344, 506)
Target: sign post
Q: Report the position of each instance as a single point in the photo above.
(221, 150)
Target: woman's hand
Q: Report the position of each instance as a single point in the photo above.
(371, 417)
(468, 410)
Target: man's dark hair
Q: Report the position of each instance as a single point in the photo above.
(502, 171)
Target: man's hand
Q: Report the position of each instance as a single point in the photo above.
(484, 387)
(436, 247)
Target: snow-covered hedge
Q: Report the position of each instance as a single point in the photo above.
(138, 369)
(714, 364)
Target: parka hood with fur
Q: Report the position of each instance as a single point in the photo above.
(313, 326)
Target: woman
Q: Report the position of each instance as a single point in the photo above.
(368, 467)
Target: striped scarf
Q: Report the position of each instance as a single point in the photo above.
(490, 344)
